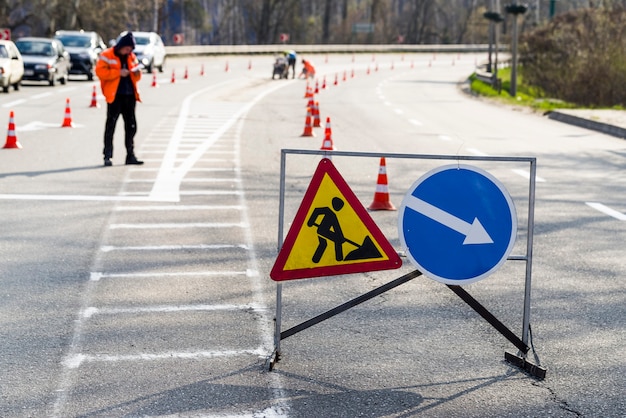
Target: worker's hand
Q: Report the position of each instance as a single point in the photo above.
(124, 72)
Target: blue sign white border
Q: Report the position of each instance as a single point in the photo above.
(505, 194)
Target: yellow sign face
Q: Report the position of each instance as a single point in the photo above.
(329, 237)
(332, 233)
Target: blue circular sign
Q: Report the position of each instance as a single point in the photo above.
(458, 224)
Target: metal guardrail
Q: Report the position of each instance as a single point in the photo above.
(199, 50)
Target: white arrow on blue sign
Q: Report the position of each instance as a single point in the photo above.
(458, 224)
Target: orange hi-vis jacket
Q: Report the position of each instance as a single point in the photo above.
(108, 71)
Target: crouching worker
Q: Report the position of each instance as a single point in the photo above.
(308, 70)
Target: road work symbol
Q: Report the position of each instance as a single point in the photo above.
(329, 229)
(458, 224)
(332, 233)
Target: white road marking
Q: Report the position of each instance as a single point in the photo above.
(526, 175)
(415, 122)
(180, 225)
(109, 248)
(91, 311)
(75, 361)
(97, 276)
(607, 210)
(178, 207)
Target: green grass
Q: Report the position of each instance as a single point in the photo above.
(526, 95)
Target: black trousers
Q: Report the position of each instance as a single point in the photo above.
(125, 106)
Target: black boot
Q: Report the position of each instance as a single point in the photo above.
(131, 159)
(107, 162)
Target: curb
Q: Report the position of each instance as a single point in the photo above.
(588, 124)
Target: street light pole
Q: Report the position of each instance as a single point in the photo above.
(515, 10)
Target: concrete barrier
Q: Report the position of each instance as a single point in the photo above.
(199, 50)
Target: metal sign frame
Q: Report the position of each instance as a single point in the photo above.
(522, 344)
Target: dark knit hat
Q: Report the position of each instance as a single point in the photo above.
(127, 40)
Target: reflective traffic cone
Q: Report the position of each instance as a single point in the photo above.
(308, 128)
(94, 98)
(226, 68)
(317, 87)
(344, 76)
(316, 115)
(67, 120)
(308, 93)
(173, 80)
(11, 137)
(381, 196)
(202, 70)
(368, 70)
(249, 65)
(328, 145)
(186, 74)
(154, 79)
(324, 83)
(336, 79)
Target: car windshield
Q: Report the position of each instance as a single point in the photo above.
(75, 41)
(35, 48)
(3, 52)
(142, 40)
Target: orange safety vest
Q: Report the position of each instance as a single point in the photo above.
(108, 71)
(310, 69)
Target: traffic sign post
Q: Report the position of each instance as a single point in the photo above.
(465, 218)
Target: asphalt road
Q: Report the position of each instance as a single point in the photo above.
(145, 291)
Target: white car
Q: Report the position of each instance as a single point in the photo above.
(11, 66)
(150, 50)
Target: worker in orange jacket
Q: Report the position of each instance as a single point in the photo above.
(308, 70)
(119, 71)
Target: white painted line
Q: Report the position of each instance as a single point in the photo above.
(14, 103)
(477, 152)
(415, 122)
(526, 175)
(607, 210)
(445, 138)
(179, 225)
(41, 95)
(387, 103)
(398, 111)
(109, 248)
(167, 185)
(75, 361)
(97, 276)
(190, 180)
(91, 311)
(178, 207)
(142, 198)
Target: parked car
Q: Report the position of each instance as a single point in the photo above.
(45, 59)
(11, 66)
(84, 48)
(150, 50)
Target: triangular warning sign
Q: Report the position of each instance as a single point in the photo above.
(332, 233)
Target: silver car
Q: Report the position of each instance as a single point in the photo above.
(11, 66)
(150, 50)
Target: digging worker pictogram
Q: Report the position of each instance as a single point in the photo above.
(329, 229)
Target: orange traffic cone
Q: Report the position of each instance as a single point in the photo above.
(308, 93)
(249, 65)
(94, 98)
(324, 83)
(328, 145)
(173, 80)
(308, 128)
(67, 120)
(226, 68)
(317, 87)
(186, 75)
(202, 70)
(11, 138)
(381, 196)
(336, 79)
(368, 70)
(316, 115)
(344, 76)
(154, 79)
